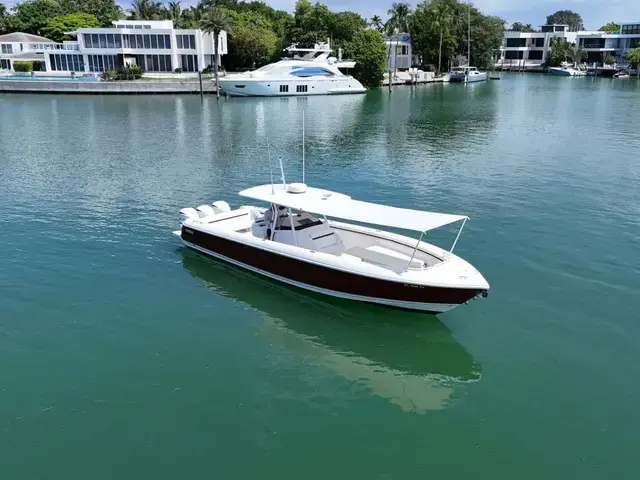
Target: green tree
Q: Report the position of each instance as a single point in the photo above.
(377, 23)
(442, 20)
(56, 27)
(609, 60)
(566, 17)
(487, 33)
(214, 21)
(253, 42)
(399, 14)
(31, 16)
(174, 12)
(106, 11)
(577, 53)
(343, 27)
(370, 54)
(633, 57)
(147, 10)
(521, 27)
(3, 10)
(560, 50)
(610, 27)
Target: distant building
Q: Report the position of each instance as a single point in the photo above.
(529, 50)
(155, 46)
(399, 53)
(600, 45)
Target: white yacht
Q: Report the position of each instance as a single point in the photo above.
(566, 70)
(292, 241)
(313, 73)
(467, 74)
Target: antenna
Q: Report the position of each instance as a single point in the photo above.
(273, 190)
(282, 173)
(302, 146)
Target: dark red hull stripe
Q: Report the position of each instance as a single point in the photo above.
(326, 277)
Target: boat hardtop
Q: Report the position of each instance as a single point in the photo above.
(300, 197)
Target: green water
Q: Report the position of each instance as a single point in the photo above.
(124, 356)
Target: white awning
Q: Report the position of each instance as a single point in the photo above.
(332, 204)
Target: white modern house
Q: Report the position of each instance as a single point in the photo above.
(155, 46)
(529, 50)
(600, 45)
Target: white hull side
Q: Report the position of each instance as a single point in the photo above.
(561, 72)
(251, 87)
(471, 79)
(425, 307)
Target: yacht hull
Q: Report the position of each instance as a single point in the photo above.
(248, 87)
(325, 280)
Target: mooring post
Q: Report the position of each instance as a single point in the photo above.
(201, 91)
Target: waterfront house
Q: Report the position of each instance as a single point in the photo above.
(529, 50)
(20, 46)
(600, 45)
(399, 53)
(154, 45)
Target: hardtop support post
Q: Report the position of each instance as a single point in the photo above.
(414, 250)
(458, 236)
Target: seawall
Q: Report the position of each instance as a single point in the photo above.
(120, 88)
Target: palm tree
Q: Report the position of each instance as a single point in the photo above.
(633, 57)
(399, 14)
(215, 21)
(442, 19)
(146, 10)
(377, 23)
(577, 53)
(175, 11)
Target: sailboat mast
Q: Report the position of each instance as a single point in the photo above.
(469, 33)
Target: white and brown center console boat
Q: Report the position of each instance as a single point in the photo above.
(292, 241)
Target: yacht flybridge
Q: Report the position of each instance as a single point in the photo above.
(292, 241)
(313, 73)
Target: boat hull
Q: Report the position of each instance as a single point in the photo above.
(250, 87)
(481, 77)
(328, 281)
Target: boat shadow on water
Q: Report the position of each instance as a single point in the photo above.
(408, 358)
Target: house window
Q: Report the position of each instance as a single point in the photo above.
(179, 41)
(284, 88)
(301, 88)
(539, 42)
(7, 49)
(535, 55)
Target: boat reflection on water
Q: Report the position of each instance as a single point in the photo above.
(409, 358)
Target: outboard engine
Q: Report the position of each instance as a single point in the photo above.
(220, 206)
(205, 211)
(187, 213)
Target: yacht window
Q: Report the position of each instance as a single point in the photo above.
(284, 88)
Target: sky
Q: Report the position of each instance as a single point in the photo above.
(595, 13)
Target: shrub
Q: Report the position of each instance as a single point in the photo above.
(130, 72)
(610, 60)
(23, 66)
(109, 76)
(209, 70)
(177, 70)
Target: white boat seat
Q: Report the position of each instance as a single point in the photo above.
(385, 258)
